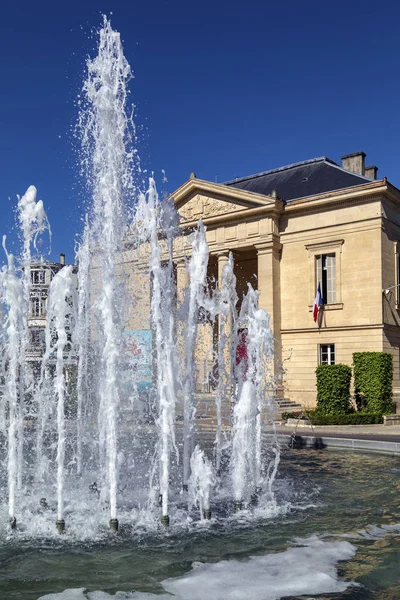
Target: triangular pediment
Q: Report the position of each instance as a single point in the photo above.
(197, 199)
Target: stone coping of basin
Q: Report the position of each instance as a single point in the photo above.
(388, 420)
(320, 442)
(297, 423)
(378, 429)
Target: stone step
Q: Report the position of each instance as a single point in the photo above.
(206, 409)
(203, 408)
(284, 401)
(296, 408)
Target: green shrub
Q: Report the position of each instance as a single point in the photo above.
(373, 380)
(333, 389)
(357, 418)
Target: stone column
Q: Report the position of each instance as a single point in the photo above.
(223, 259)
(268, 258)
(182, 279)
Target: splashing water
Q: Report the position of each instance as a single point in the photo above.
(82, 340)
(88, 438)
(226, 348)
(197, 282)
(201, 481)
(59, 331)
(33, 222)
(12, 296)
(248, 412)
(108, 162)
(155, 218)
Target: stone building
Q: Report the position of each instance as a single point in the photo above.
(41, 273)
(292, 227)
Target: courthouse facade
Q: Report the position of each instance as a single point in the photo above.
(290, 228)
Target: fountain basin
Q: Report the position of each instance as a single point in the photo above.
(327, 501)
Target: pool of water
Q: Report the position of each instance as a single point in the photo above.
(334, 534)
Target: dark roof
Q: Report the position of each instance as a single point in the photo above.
(315, 176)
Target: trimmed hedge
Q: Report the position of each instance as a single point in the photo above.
(333, 389)
(357, 418)
(373, 379)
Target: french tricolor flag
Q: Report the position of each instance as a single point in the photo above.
(317, 302)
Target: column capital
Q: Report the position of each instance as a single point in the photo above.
(180, 262)
(268, 246)
(221, 254)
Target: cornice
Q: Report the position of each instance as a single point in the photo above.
(317, 246)
(361, 193)
(319, 330)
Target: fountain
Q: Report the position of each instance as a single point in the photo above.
(85, 334)
(82, 458)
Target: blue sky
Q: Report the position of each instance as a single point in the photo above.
(224, 89)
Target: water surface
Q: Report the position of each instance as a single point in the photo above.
(331, 495)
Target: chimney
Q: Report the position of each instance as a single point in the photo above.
(62, 259)
(371, 172)
(355, 163)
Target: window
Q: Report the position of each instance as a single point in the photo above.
(325, 260)
(35, 307)
(38, 276)
(38, 306)
(37, 337)
(326, 276)
(327, 354)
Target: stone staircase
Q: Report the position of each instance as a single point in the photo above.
(206, 417)
(286, 405)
